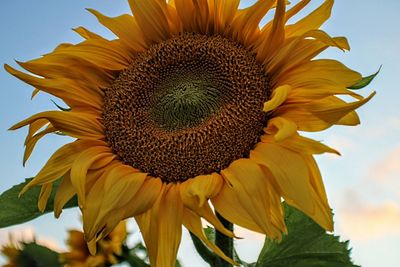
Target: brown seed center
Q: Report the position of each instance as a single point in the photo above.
(187, 106)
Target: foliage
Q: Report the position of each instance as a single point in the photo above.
(306, 245)
(15, 210)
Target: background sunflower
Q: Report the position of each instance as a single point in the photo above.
(123, 8)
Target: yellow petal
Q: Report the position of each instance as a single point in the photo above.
(70, 68)
(323, 214)
(125, 27)
(301, 144)
(85, 33)
(312, 21)
(116, 187)
(151, 19)
(333, 109)
(59, 163)
(108, 55)
(326, 39)
(321, 71)
(92, 246)
(300, 50)
(316, 180)
(273, 36)
(350, 118)
(296, 9)
(35, 127)
(317, 91)
(44, 196)
(193, 223)
(62, 88)
(204, 16)
(64, 193)
(91, 209)
(225, 11)
(289, 171)
(162, 227)
(76, 124)
(81, 166)
(299, 180)
(195, 194)
(305, 120)
(281, 128)
(279, 96)
(185, 10)
(138, 204)
(31, 142)
(202, 187)
(253, 192)
(245, 24)
(120, 182)
(150, 236)
(228, 205)
(145, 197)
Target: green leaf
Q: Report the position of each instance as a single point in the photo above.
(306, 245)
(16, 210)
(34, 255)
(364, 81)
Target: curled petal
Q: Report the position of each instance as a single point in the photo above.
(279, 96)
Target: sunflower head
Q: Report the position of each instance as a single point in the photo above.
(12, 252)
(201, 109)
(106, 251)
(193, 108)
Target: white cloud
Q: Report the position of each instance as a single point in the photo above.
(386, 128)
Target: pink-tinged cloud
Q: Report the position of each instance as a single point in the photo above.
(27, 234)
(387, 169)
(363, 221)
(372, 208)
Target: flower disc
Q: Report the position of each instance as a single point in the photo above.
(187, 106)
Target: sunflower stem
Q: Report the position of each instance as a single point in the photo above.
(224, 242)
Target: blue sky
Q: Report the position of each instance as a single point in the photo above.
(363, 185)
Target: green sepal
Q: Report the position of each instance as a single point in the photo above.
(34, 255)
(364, 81)
(306, 245)
(16, 210)
(60, 107)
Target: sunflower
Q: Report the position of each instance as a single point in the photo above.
(107, 249)
(194, 109)
(12, 251)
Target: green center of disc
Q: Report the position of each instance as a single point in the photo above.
(185, 101)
